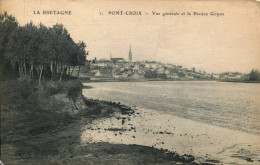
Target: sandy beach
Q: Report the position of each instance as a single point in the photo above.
(205, 142)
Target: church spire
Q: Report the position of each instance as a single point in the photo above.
(130, 55)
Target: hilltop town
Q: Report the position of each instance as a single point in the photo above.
(122, 69)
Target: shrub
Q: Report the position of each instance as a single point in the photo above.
(73, 90)
(52, 88)
(254, 75)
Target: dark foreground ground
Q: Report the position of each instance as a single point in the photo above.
(43, 125)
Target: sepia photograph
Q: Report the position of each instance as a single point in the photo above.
(122, 82)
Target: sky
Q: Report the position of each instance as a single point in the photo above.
(209, 43)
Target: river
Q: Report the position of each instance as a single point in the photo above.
(230, 105)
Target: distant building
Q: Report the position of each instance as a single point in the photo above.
(160, 70)
(103, 73)
(119, 68)
(172, 76)
(151, 64)
(98, 74)
(233, 77)
(103, 63)
(216, 76)
(116, 60)
(120, 75)
(137, 76)
(188, 77)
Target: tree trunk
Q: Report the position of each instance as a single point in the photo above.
(54, 67)
(66, 69)
(25, 72)
(51, 70)
(72, 70)
(61, 74)
(40, 77)
(31, 71)
(75, 105)
(57, 67)
(20, 73)
(78, 71)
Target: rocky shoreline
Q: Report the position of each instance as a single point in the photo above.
(145, 127)
(156, 155)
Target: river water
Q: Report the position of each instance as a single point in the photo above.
(230, 105)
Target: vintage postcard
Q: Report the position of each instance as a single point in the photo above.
(130, 82)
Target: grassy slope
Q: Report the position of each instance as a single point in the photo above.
(41, 125)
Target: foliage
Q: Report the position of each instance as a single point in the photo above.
(24, 103)
(7, 25)
(181, 74)
(254, 75)
(53, 87)
(150, 74)
(161, 75)
(39, 52)
(74, 90)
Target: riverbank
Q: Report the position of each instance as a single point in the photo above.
(139, 80)
(209, 144)
(239, 81)
(214, 124)
(44, 125)
(144, 80)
